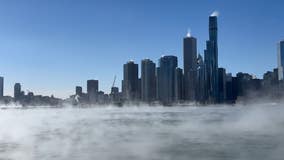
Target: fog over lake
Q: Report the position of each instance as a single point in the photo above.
(250, 132)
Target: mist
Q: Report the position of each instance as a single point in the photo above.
(143, 132)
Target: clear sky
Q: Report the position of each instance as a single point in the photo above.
(50, 46)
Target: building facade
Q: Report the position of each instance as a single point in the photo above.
(148, 80)
(130, 81)
(190, 67)
(166, 79)
(92, 90)
(17, 91)
(280, 60)
(211, 61)
(1, 87)
(179, 90)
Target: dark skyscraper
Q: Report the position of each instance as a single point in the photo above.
(92, 90)
(179, 85)
(148, 80)
(166, 79)
(221, 85)
(190, 66)
(211, 60)
(130, 81)
(1, 87)
(201, 89)
(280, 59)
(17, 91)
(79, 90)
(229, 88)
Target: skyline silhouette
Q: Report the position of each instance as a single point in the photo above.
(66, 43)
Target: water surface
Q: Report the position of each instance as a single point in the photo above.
(143, 133)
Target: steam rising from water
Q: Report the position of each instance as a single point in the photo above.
(240, 132)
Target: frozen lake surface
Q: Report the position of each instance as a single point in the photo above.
(143, 133)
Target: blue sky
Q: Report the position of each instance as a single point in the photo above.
(50, 46)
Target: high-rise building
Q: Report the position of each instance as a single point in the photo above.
(190, 66)
(166, 79)
(229, 88)
(148, 80)
(130, 81)
(92, 90)
(221, 85)
(17, 91)
(243, 82)
(179, 94)
(201, 88)
(211, 60)
(1, 87)
(79, 91)
(280, 59)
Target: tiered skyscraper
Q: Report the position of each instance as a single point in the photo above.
(211, 60)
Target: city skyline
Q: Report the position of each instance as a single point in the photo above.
(61, 84)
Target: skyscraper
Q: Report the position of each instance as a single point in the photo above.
(211, 60)
(179, 85)
(221, 85)
(130, 81)
(280, 58)
(17, 91)
(92, 90)
(148, 80)
(201, 90)
(229, 88)
(79, 91)
(1, 87)
(166, 79)
(190, 66)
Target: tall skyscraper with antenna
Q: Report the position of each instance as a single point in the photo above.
(189, 66)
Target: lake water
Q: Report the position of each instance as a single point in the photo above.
(143, 133)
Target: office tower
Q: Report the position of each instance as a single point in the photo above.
(201, 89)
(17, 91)
(1, 87)
(92, 90)
(148, 80)
(190, 66)
(235, 88)
(139, 89)
(280, 59)
(221, 85)
(229, 88)
(130, 81)
(178, 84)
(79, 91)
(211, 60)
(243, 81)
(166, 79)
(158, 80)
